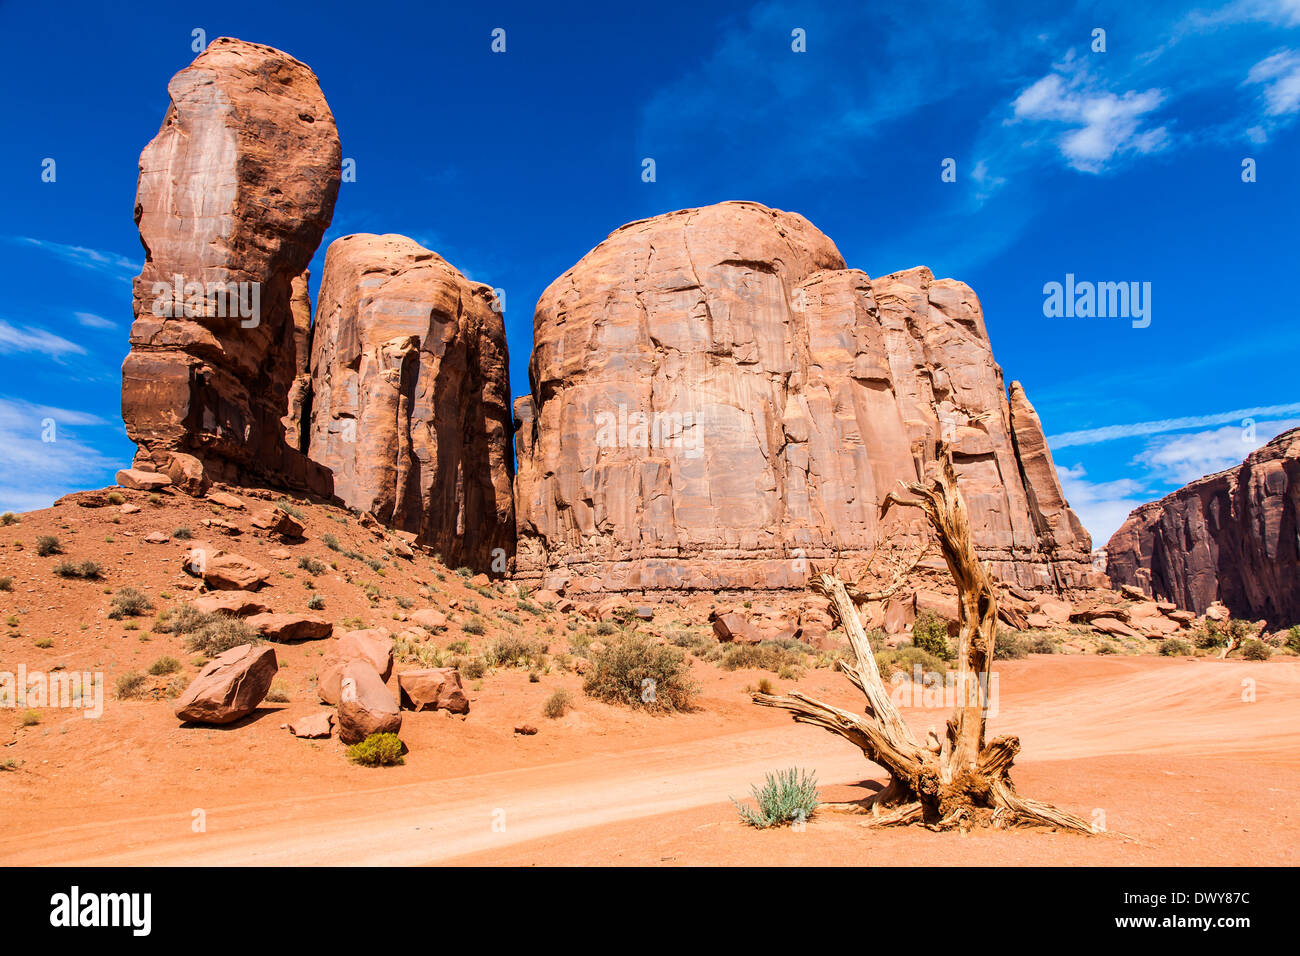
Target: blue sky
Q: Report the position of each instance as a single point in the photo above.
(1122, 165)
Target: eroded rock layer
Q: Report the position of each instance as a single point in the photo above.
(1233, 537)
(409, 397)
(717, 401)
(234, 195)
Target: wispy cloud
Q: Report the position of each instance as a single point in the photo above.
(42, 458)
(92, 321)
(1102, 506)
(108, 263)
(30, 339)
(1279, 75)
(1093, 436)
(1178, 459)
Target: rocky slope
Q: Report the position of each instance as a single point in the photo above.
(409, 392)
(1233, 537)
(717, 401)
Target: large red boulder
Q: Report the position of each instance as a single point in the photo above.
(230, 686)
(366, 705)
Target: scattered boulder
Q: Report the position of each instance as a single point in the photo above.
(313, 726)
(366, 706)
(1217, 612)
(291, 627)
(156, 537)
(434, 688)
(138, 480)
(226, 500)
(525, 730)
(734, 627)
(373, 646)
(1113, 626)
(230, 686)
(129, 509)
(1056, 610)
(430, 618)
(236, 603)
(276, 520)
(223, 571)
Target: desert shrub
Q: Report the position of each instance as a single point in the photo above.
(30, 718)
(115, 498)
(131, 686)
(8, 518)
(48, 544)
(311, 565)
(696, 643)
(377, 750)
(473, 626)
(1107, 647)
(465, 572)
(182, 534)
(606, 628)
(768, 656)
(515, 651)
(86, 569)
(930, 634)
(765, 686)
(1042, 644)
(1292, 637)
(529, 607)
(891, 661)
(279, 692)
(634, 670)
(1256, 650)
(1175, 647)
(331, 541)
(473, 667)
(405, 603)
(510, 618)
(291, 508)
(316, 603)
(6, 583)
(128, 602)
(558, 704)
(1009, 645)
(43, 643)
(458, 647)
(787, 796)
(164, 665)
(219, 634)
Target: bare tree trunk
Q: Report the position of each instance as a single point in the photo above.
(942, 783)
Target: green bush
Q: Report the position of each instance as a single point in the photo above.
(316, 603)
(473, 626)
(1009, 645)
(788, 796)
(86, 569)
(182, 534)
(465, 572)
(558, 704)
(930, 634)
(1292, 637)
(767, 656)
(378, 750)
(311, 565)
(514, 651)
(164, 665)
(905, 660)
(634, 670)
(48, 544)
(473, 668)
(331, 541)
(1042, 644)
(128, 602)
(1174, 647)
(8, 518)
(1256, 650)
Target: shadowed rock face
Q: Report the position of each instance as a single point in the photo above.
(1232, 537)
(716, 400)
(236, 190)
(410, 396)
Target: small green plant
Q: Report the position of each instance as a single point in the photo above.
(8, 518)
(405, 603)
(377, 750)
(930, 634)
(1010, 645)
(291, 508)
(30, 718)
(558, 704)
(514, 651)
(473, 668)
(1256, 650)
(128, 602)
(182, 534)
(47, 544)
(458, 647)
(464, 572)
(88, 570)
(473, 626)
(331, 541)
(131, 686)
(905, 660)
(115, 498)
(219, 634)
(1292, 634)
(1042, 644)
(316, 603)
(44, 643)
(311, 565)
(1173, 647)
(787, 796)
(279, 693)
(164, 665)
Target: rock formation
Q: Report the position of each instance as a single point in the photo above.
(234, 195)
(1232, 537)
(717, 401)
(409, 396)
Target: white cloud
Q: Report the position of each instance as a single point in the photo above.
(92, 321)
(37, 471)
(1093, 436)
(94, 260)
(1279, 75)
(1106, 125)
(31, 339)
(1102, 506)
(1178, 459)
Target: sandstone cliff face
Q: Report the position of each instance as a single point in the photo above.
(1232, 537)
(716, 401)
(409, 396)
(234, 195)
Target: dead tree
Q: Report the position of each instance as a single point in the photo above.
(960, 780)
